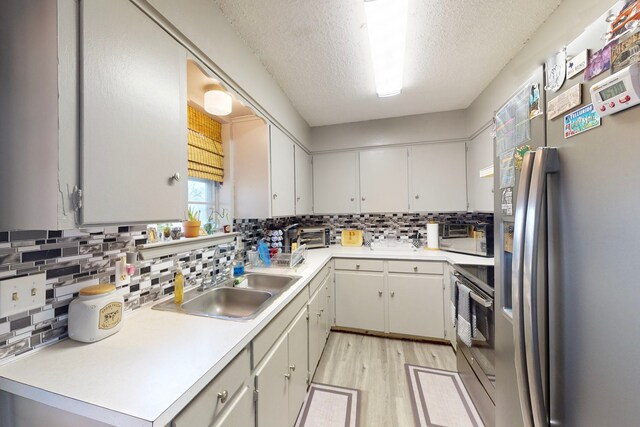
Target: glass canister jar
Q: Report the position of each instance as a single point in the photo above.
(96, 314)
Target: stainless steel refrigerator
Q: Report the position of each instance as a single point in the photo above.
(569, 281)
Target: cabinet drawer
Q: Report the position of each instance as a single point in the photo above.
(207, 405)
(319, 278)
(359, 264)
(422, 267)
(265, 339)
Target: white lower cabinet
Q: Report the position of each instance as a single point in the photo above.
(415, 305)
(240, 412)
(318, 317)
(219, 396)
(281, 378)
(450, 327)
(359, 300)
(271, 385)
(399, 297)
(298, 370)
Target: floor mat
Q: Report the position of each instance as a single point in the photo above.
(439, 399)
(330, 406)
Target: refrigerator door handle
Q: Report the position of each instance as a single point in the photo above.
(546, 161)
(516, 281)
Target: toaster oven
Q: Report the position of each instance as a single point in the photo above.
(316, 237)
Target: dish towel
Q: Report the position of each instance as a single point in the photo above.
(453, 286)
(464, 314)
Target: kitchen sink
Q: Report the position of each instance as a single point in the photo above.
(233, 303)
(228, 303)
(222, 302)
(268, 282)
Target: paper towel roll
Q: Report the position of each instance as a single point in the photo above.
(432, 236)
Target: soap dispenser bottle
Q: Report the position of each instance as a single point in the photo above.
(178, 295)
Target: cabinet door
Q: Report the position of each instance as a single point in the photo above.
(304, 182)
(298, 369)
(134, 121)
(335, 183)
(438, 178)
(328, 313)
(282, 174)
(240, 413)
(252, 189)
(272, 386)
(415, 305)
(449, 327)
(331, 306)
(317, 327)
(384, 180)
(359, 301)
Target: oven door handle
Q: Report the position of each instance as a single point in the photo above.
(484, 302)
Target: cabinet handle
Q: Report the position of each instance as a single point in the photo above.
(415, 268)
(353, 199)
(318, 314)
(292, 367)
(357, 266)
(379, 293)
(417, 196)
(287, 376)
(223, 396)
(176, 176)
(364, 198)
(275, 196)
(393, 294)
(298, 198)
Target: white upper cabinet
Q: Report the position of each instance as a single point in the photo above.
(438, 178)
(39, 120)
(480, 156)
(263, 169)
(282, 174)
(134, 124)
(304, 182)
(335, 183)
(384, 180)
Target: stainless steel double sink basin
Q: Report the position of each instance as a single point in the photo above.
(233, 303)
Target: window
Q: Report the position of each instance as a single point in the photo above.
(202, 197)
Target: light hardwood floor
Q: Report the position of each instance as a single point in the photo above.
(375, 366)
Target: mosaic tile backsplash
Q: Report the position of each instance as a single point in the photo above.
(388, 225)
(73, 259)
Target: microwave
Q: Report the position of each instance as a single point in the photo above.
(471, 239)
(316, 237)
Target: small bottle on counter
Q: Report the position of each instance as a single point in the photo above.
(178, 287)
(238, 265)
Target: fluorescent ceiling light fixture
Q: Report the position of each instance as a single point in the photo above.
(387, 27)
(217, 102)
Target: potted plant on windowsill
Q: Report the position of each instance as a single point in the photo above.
(214, 222)
(192, 225)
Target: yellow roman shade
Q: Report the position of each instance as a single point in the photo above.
(206, 157)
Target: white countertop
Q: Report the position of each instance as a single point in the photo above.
(147, 373)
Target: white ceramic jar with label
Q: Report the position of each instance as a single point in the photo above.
(96, 314)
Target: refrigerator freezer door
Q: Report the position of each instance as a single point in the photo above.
(533, 285)
(516, 280)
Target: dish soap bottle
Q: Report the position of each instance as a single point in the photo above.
(178, 294)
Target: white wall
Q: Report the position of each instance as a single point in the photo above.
(434, 127)
(202, 22)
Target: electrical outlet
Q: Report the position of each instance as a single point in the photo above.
(22, 294)
(122, 278)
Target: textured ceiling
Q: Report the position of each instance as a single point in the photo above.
(317, 51)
